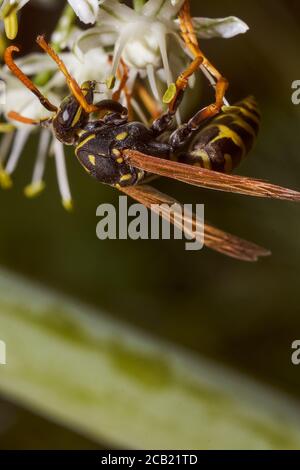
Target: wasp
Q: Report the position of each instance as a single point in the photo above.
(124, 153)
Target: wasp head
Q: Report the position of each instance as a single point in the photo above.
(71, 117)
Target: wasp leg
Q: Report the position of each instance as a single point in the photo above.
(191, 41)
(72, 84)
(184, 132)
(179, 137)
(189, 36)
(163, 122)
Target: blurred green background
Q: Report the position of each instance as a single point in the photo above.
(239, 314)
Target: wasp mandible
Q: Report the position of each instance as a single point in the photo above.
(123, 153)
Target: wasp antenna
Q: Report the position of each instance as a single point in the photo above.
(8, 57)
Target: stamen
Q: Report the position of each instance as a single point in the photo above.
(212, 81)
(11, 25)
(18, 146)
(37, 184)
(119, 48)
(152, 81)
(62, 177)
(5, 180)
(5, 145)
(164, 56)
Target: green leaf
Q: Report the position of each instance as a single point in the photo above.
(108, 381)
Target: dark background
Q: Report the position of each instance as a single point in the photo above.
(243, 315)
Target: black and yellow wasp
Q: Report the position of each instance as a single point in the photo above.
(123, 154)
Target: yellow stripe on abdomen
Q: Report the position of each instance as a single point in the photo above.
(229, 137)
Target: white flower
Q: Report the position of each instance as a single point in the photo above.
(93, 65)
(229, 27)
(141, 36)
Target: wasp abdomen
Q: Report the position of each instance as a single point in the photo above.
(229, 137)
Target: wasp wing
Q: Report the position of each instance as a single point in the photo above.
(214, 238)
(197, 176)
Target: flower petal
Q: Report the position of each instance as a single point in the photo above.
(86, 10)
(94, 37)
(207, 28)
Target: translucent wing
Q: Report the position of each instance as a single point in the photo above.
(214, 238)
(209, 179)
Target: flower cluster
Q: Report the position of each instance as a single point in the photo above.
(146, 37)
